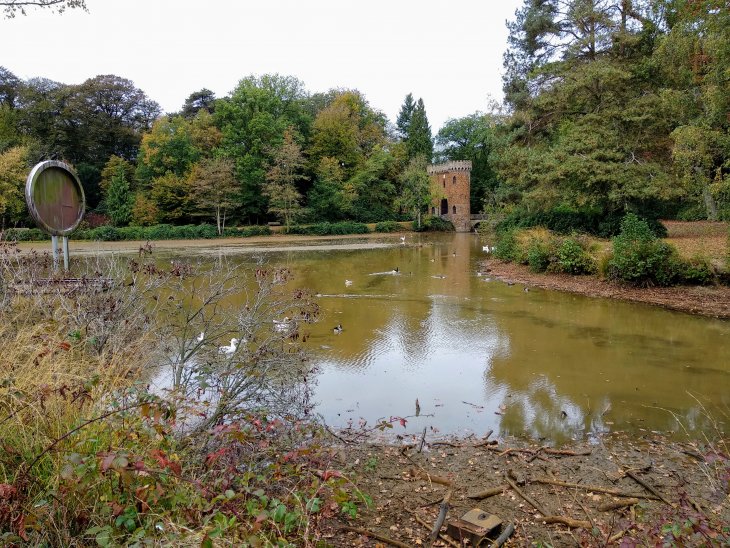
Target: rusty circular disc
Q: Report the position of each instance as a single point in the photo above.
(55, 197)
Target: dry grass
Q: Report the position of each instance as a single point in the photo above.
(699, 239)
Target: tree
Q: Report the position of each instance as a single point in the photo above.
(215, 188)
(415, 188)
(374, 188)
(171, 197)
(403, 122)
(111, 170)
(119, 198)
(197, 101)
(252, 122)
(330, 199)
(167, 148)
(285, 173)
(13, 172)
(473, 138)
(13, 7)
(419, 142)
(9, 85)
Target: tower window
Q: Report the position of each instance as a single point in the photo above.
(454, 209)
(453, 181)
(444, 184)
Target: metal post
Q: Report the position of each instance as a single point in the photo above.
(65, 252)
(54, 245)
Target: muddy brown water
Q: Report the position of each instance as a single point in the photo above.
(481, 355)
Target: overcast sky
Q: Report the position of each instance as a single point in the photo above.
(449, 53)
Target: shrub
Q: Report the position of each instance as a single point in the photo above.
(388, 226)
(329, 229)
(640, 258)
(538, 255)
(697, 271)
(565, 220)
(573, 258)
(434, 224)
(507, 247)
(24, 235)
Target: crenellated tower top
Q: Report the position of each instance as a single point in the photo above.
(447, 167)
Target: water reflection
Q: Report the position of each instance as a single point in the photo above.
(479, 354)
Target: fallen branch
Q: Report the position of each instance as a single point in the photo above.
(421, 474)
(595, 488)
(564, 453)
(445, 443)
(443, 510)
(617, 504)
(521, 493)
(489, 492)
(374, 535)
(486, 443)
(504, 536)
(621, 533)
(443, 537)
(648, 487)
(570, 522)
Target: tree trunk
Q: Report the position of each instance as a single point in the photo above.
(710, 204)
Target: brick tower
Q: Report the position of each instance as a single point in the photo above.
(450, 188)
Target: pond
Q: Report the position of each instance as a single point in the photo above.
(420, 322)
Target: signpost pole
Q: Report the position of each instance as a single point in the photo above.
(65, 252)
(54, 245)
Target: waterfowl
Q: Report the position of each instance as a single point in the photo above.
(200, 337)
(229, 349)
(338, 329)
(348, 283)
(403, 239)
(282, 325)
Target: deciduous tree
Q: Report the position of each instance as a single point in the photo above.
(215, 189)
(282, 178)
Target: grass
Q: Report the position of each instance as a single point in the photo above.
(699, 239)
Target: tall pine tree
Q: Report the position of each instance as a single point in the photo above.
(419, 142)
(403, 123)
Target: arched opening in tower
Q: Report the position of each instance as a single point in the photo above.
(444, 206)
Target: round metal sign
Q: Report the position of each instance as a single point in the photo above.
(55, 197)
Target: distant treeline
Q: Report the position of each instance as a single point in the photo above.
(611, 106)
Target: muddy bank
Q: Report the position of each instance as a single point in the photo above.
(616, 490)
(711, 301)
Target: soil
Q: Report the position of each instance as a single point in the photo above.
(711, 301)
(404, 485)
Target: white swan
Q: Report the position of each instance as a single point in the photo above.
(227, 350)
(348, 283)
(487, 249)
(200, 337)
(403, 240)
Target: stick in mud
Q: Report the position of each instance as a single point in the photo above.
(596, 488)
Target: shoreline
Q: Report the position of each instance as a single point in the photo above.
(710, 301)
(618, 488)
